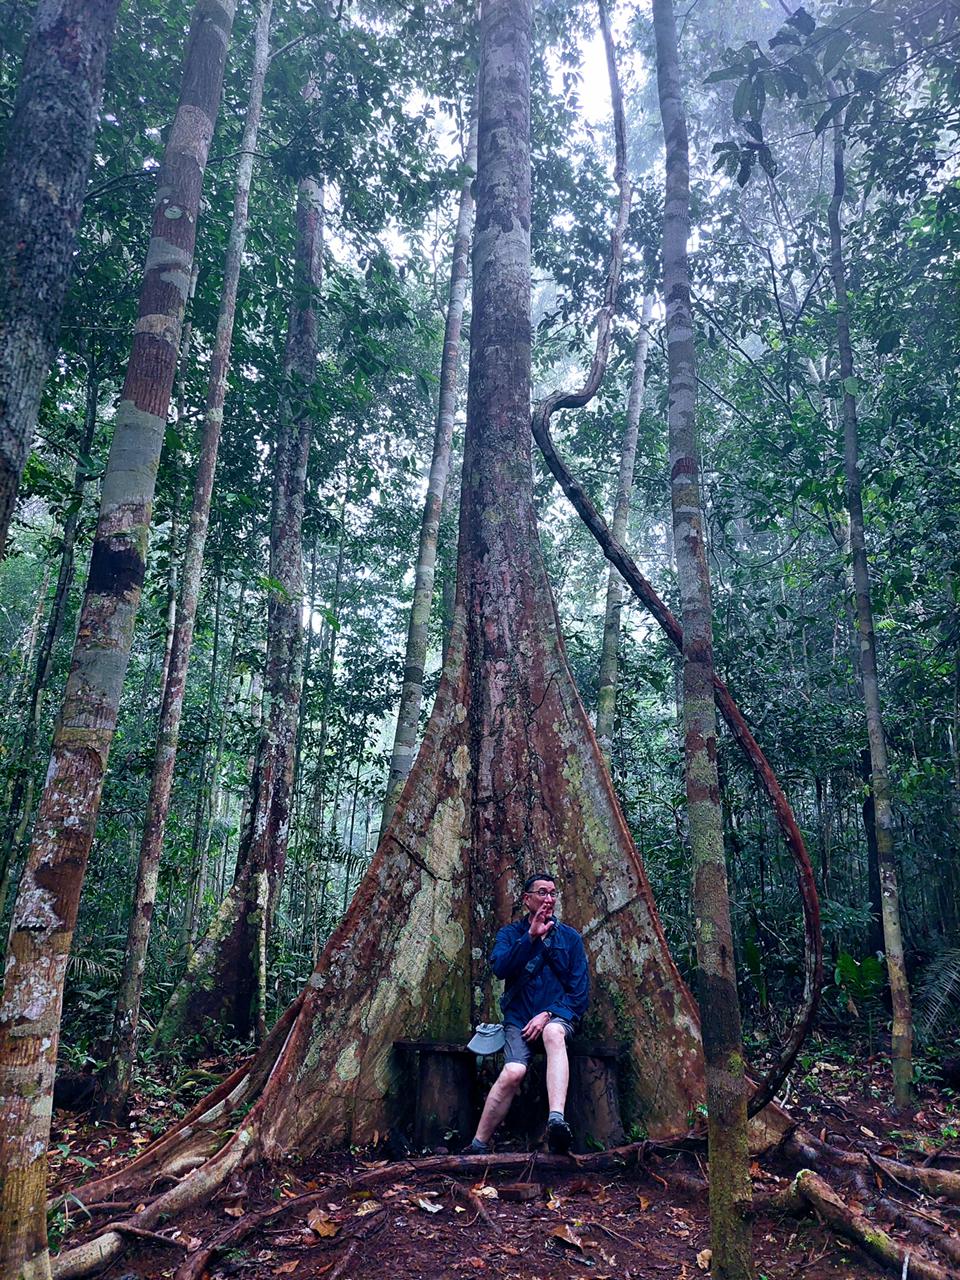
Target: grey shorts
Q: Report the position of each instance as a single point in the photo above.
(517, 1049)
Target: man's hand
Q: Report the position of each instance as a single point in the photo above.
(542, 921)
(534, 1028)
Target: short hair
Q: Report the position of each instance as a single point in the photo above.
(538, 875)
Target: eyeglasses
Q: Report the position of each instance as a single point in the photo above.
(542, 893)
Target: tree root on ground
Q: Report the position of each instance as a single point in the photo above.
(807, 1191)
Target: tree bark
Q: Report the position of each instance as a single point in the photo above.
(221, 983)
(607, 691)
(901, 1051)
(20, 804)
(127, 1015)
(46, 908)
(408, 715)
(730, 1189)
(43, 178)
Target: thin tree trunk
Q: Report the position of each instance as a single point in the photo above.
(20, 803)
(408, 715)
(199, 842)
(730, 1189)
(127, 1015)
(901, 1051)
(46, 908)
(43, 179)
(607, 690)
(221, 983)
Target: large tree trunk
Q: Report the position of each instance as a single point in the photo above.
(509, 779)
(730, 1189)
(408, 715)
(221, 984)
(607, 690)
(46, 908)
(43, 179)
(127, 1015)
(901, 1051)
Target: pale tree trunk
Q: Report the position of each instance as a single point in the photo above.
(127, 1015)
(43, 178)
(20, 805)
(730, 1189)
(409, 957)
(607, 689)
(408, 715)
(901, 1051)
(46, 908)
(222, 983)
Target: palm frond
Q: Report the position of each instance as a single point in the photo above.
(938, 994)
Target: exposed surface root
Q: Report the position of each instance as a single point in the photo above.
(804, 1149)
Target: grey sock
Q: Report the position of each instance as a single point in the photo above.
(477, 1148)
(554, 1115)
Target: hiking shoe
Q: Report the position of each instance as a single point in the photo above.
(476, 1148)
(559, 1137)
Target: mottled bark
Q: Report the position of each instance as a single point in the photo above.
(730, 1189)
(43, 178)
(607, 687)
(46, 908)
(21, 797)
(415, 657)
(221, 984)
(127, 1015)
(901, 1050)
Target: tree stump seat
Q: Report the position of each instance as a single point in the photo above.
(448, 1093)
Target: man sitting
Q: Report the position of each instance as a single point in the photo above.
(544, 966)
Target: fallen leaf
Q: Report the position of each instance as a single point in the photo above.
(321, 1224)
(867, 1132)
(643, 1203)
(566, 1235)
(488, 1192)
(374, 1164)
(552, 1201)
(234, 1211)
(704, 1258)
(193, 1244)
(509, 1249)
(368, 1206)
(285, 1268)
(430, 1206)
(458, 1208)
(474, 1262)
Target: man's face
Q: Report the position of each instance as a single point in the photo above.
(541, 894)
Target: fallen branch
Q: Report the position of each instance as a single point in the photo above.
(855, 1226)
(803, 1148)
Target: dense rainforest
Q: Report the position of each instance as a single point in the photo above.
(440, 443)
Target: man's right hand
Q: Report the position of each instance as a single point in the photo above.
(542, 921)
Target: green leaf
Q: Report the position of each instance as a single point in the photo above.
(834, 109)
(851, 386)
(726, 73)
(742, 99)
(803, 21)
(888, 342)
(833, 50)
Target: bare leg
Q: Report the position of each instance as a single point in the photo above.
(498, 1101)
(558, 1068)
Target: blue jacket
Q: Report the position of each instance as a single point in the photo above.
(560, 984)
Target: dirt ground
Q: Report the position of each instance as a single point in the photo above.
(647, 1222)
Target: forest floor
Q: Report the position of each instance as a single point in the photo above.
(649, 1223)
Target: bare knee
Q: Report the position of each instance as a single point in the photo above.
(554, 1036)
(511, 1077)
